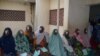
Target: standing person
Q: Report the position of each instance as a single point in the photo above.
(68, 43)
(56, 44)
(30, 36)
(8, 43)
(22, 44)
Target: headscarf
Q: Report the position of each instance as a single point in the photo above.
(67, 41)
(39, 35)
(78, 36)
(22, 44)
(29, 34)
(66, 34)
(56, 45)
(8, 43)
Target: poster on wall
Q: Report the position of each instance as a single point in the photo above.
(12, 15)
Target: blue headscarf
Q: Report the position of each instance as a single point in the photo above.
(7, 42)
(56, 45)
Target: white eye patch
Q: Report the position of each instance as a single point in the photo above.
(6, 32)
(56, 31)
(21, 32)
(27, 28)
(66, 32)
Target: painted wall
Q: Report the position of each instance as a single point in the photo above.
(78, 14)
(15, 25)
(42, 14)
(63, 4)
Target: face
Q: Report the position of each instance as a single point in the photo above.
(41, 29)
(78, 31)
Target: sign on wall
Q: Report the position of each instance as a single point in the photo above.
(12, 15)
(53, 17)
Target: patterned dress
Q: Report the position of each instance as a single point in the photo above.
(22, 44)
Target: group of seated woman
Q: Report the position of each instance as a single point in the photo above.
(40, 44)
(23, 43)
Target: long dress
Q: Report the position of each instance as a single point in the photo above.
(8, 46)
(77, 46)
(30, 38)
(22, 44)
(68, 45)
(56, 45)
(41, 39)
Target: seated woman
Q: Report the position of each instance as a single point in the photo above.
(22, 44)
(68, 43)
(78, 36)
(8, 43)
(41, 37)
(56, 47)
(30, 36)
(77, 43)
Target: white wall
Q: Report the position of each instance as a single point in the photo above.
(15, 25)
(78, 14)
(42, 14)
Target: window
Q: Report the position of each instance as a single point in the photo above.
(12, 15)
(53, 17)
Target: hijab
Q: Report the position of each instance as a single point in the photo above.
(56, 44)
(66, 34)
(40, 34)
(8, 43)
(29, 33)
(22, 44)
(78, 36)
(67, 41)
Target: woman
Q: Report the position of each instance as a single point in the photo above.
(22, 44)
(56, 44)
(78, 36)
(68, 43)
(77, 43)
(41, 37)
(8, 43)
(30, 36)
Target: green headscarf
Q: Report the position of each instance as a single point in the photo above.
(56, 45)
(22, 44)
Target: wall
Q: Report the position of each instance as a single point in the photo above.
(78, 14)
(15, 25)
(42, 14)
(94, 2)
(54, 5)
